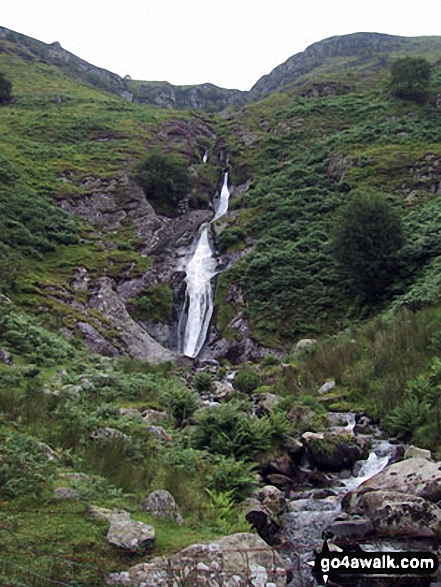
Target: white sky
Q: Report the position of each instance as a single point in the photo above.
(230, 43)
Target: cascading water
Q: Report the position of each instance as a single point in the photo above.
(200, 269)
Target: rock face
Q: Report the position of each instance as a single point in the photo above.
(161, 503)
(238, 560)
(138, 342)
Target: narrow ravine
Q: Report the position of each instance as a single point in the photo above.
(200, 268)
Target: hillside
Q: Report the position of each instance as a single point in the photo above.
(97, 407)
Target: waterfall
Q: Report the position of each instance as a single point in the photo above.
(200, 269)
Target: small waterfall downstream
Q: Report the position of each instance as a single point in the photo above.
(200, 269)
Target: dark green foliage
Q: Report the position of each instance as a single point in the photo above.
(164, 179)
(410, 78)
(202, 381)
(232, 475)
(183, 403)
(5, 90)
(247, 380)
(365, 240)
(155, 304)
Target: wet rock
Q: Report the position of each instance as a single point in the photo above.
(282, 482)
(238, 560)
(282, 465)
(161, 503)
(414, 476)
(399, 514)
(333, 452)
(264, 521)
(356, 528)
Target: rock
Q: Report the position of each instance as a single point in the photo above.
(326, 387)
(81, 279)
(266, 402)
(159, 433)
(66, 493)
(49, 452)
(238, 560)
(351, 528)
(280, 481)
(308, 436)
(5, 357)
(103, 434)
(414, 476)
(282, 465)
(294, 448)
(106, 514)
(151, 416)
(137, 341)
(334, 452)
(161, 503)
(399, 514)
(264, 521)
(222, 390)
(273, 499)
(304, 344)
(129, 535)
(416, 452)
(95, 341)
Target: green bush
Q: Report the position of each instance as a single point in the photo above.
(231, 475)
(202, 381)
(365, 240)
(247, 380)
(410, 78)
(164, 179)
(183, 403)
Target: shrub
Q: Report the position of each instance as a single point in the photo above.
(202, 381)
(231, 475)
(164, 179)
(410, 78)
(183, 403)
(5, 89)
(365, 240)
(247, 380)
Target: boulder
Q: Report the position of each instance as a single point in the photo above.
(238, 560)
(159, 433)
(414, 476)
(304, 343)
(280, 481)
(399, 514)
(130, 535)
(282, 465)
(266, 402)
(333, 452)
(273, 499)
(48, 452)
(349, 529)
(66, 493)
(264, 521)
(416, 452)
(161, 503)
(107, 433)
(326, 387)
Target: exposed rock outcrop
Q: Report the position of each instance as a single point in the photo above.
(161, 503)
(234, 561)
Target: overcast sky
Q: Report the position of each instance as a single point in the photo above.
(230, 43)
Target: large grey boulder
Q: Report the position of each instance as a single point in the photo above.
(238, 560)
(124, 533)
(161, 503)
(414, 476)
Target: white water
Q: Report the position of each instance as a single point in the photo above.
(200, 269)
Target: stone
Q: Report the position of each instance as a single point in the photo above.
(238, 560)
(159, 433)
(5, 357)
(282, 465)
(294, 448)
(326, 387)
(222, 390)
(66, 493)
(351, 528)
(266, 402)
(334, 452)
(304, 344)
(400, 514)
(130, 535)
(263, 519)
(420, 453)
(414, 476)
(272, 498)
(49, 452)
(107, 433)
(161, 503)
(95, 341)
(151, 416)
(280, 481)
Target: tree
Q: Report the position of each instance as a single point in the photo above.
(164, 179)
(365, 240)
(5, 90)
(410, 78)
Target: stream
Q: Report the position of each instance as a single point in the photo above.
(309, 514)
